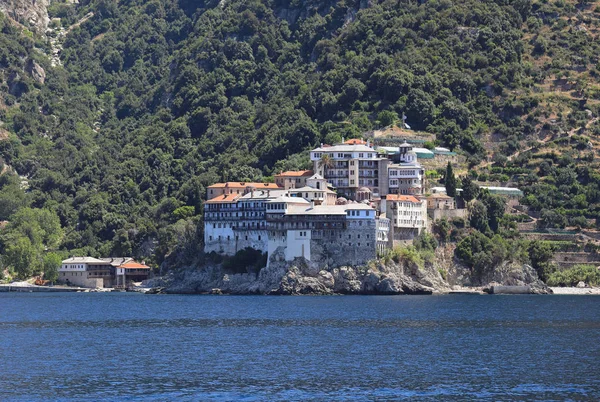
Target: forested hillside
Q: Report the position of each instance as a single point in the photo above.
(152, 101)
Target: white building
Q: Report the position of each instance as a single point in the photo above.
(233, 222)
(328, 234)
(350, 167)
(316, 190)
(406, 175)
(408, 215)
(85, 272)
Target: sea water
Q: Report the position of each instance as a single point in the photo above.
(123, 346)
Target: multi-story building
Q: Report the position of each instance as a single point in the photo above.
(408, 215)
(89, 272)
(293, 179)
(349, 167)
(233, 222)
(406, 175)
(356, 168)
(316, 190)
(236, 187)
(332, 235)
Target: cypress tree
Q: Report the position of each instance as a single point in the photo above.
(450, 181)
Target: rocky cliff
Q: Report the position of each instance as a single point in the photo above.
(302, 277)
(33, 13)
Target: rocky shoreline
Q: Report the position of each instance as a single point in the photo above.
(301, 277)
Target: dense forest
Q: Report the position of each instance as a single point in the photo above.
(149, 102)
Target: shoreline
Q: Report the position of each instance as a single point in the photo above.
(576, 291)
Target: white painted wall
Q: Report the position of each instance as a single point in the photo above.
(298, 244)
(73, 267)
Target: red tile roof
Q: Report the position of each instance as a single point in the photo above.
(133, 265)
(224, 198)
(295, 173)
(403, 198)
(355, 141)
(242, 184)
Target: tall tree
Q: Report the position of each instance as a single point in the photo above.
(470, 190)
(450, 181)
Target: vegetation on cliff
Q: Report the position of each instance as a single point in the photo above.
(155, 100)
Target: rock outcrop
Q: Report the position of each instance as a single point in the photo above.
(31, 12)
(301, 277)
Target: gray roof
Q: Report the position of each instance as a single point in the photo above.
(84, 260)
(307, 188)
(263, 195)
(295, 200)
(326, 209)
(403, 165)
(116, 261)
(345, 148)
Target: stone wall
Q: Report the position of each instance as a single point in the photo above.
(353, 246)
(80, 279)
(436, 214)
(238, 240)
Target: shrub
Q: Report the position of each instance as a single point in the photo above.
(571, 277)
(245, 261)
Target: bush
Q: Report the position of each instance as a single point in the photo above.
(244, 261)
(571, 277)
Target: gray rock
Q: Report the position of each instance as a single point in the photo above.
(36, 71)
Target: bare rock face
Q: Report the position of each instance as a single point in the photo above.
(32, 12)
(36, 71)
(300, 277)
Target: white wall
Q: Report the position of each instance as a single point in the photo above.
(298, 244)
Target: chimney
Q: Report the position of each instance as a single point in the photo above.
(312, 204)
(383, 206)
(252, 192)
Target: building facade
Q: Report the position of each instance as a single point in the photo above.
(293, 179)
(234, 222)
(349, 167)
(89, 272)
(331, 235)
(407, 214)
(239, 188)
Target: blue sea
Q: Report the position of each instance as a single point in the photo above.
(124, 346)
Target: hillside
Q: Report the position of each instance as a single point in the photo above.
(152, 101)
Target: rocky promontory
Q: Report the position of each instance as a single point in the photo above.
(300, 277)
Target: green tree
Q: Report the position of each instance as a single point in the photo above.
(51, 263)
(479, 217)
(387, 118)
(470, 190)
(540, 256)
(450, 181)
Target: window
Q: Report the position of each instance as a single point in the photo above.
(258, 237)
(210, 238)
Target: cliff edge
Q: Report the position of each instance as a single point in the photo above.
(31, 12)
(300, 277)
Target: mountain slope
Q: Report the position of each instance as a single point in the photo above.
(155, 100)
